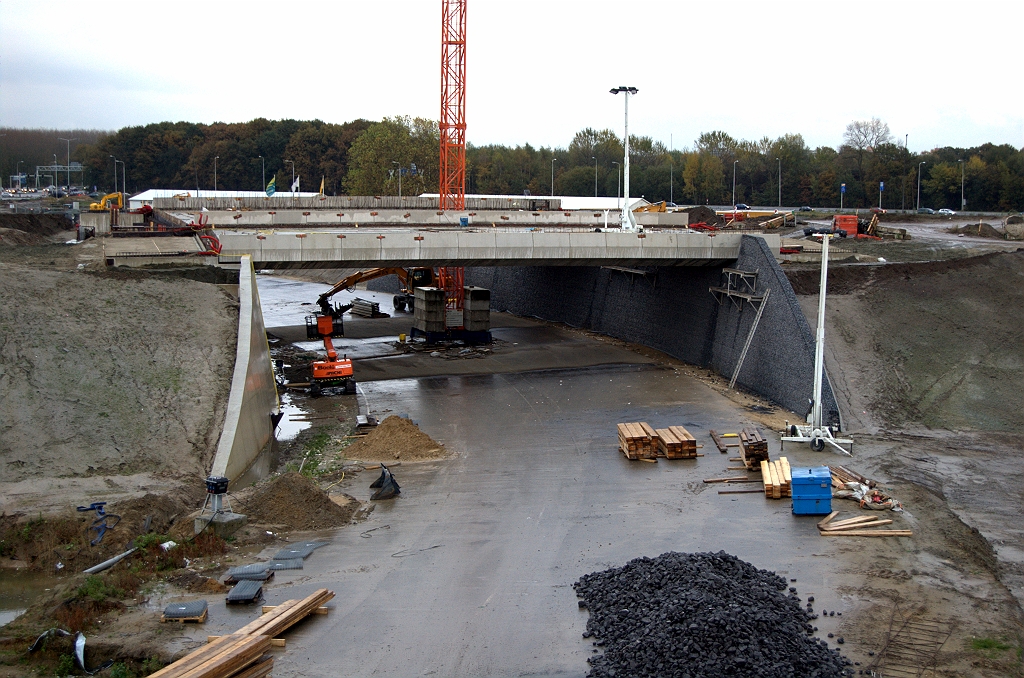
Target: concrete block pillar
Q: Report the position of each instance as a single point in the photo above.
(429, 310)
(476, 305)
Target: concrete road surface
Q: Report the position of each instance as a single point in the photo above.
(469, 572)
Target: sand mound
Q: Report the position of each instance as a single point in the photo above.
(981, 229)
(396, 439)
(294, 501)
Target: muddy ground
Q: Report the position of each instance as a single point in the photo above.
(925, 358)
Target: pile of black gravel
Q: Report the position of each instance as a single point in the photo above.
(700, 615)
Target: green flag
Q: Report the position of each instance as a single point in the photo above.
(272, 186)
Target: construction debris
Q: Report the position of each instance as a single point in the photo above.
(861, 526)
(719, 444)
(224, 657)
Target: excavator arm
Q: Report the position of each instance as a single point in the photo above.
(417, 275)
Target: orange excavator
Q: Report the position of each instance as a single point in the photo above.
(327, 324)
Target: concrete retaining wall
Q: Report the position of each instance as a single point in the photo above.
(253, 397)
(671, 309)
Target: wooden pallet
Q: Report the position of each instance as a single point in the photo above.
(675, 442)
(193, 620)
(753, 447)
(637, 440)
(777, 478)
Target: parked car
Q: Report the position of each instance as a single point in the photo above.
(946, 212)
(743, 206)
(877, 210)
(805, 208)
(926, 210)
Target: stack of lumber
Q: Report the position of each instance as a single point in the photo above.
(842, 475)
(289, 613)
(862, 526)
(777, 478)
(638, 440)
(675, 442)
(234, 656)
(241, 654)
(753, 447)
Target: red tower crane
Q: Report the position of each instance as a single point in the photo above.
(452, 186)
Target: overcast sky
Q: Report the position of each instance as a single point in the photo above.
(946, 73)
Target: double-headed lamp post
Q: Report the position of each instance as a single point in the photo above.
(919, 183)
(69, 160)
(595, 174)
(553, 176)
(627, 215)
(115, 174)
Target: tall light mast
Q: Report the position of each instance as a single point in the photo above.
(452, 186)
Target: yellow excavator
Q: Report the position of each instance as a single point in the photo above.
(108, 201)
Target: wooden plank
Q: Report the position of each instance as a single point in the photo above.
(261, 669)
(766, 478)
(866, 533)
(827, 519)
(222, 657)
(776, 481)
(681, 433)
(319, 610)
(787, 470)
(743, 490)
(850, 521)
(648, 429)
(718, 442)
(858, 526)
(274, 642)
(723, 480)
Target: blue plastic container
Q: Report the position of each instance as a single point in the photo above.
(812, 491)
(463, 221)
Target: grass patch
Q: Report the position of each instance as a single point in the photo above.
(98, 589)
(989, 644)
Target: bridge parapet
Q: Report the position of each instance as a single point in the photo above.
(344, 248)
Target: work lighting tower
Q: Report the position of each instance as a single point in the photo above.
(453, 105)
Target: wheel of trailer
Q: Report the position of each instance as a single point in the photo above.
(792, 430)
(399, 303)
(817, 444)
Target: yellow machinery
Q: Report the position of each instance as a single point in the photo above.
(108, 201)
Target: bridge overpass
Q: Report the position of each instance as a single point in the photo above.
(351, 248)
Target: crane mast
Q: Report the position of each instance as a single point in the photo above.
(452, 186)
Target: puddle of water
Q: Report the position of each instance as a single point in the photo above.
(18, 590)
(287, 430)
(282, 299)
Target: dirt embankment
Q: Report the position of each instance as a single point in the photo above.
(109, 384)
(939, 344)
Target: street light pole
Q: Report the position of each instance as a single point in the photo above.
(553, 176)
(69, 159)
(618, 186)
(627, 221)
(263, 166)
(393, 162)
(919, 183)
(17, 170)
(115, 174)
(595, 174)
(734, 183)
(962, 201)
(215, 173)
(124, 184)
(780, 182)
(293, 177)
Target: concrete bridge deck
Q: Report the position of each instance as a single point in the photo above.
(362, 248)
